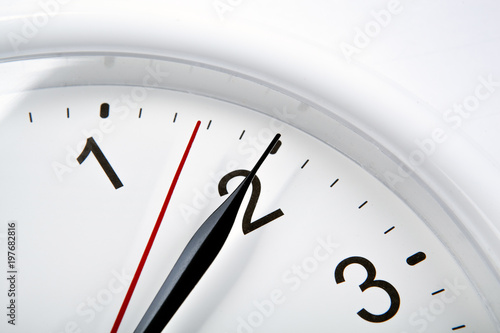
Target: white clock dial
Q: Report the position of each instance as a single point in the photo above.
(338, 250)
(124, 126)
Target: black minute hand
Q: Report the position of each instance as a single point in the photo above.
(198, 255)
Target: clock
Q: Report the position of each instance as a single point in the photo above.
(123, 128)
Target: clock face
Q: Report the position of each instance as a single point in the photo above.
(318, 245)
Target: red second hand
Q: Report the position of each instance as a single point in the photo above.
(137, 274)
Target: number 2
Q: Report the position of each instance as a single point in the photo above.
(248, 225)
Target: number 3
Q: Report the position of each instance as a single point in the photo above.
(370, 282)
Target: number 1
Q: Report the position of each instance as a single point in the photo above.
(92, 146)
